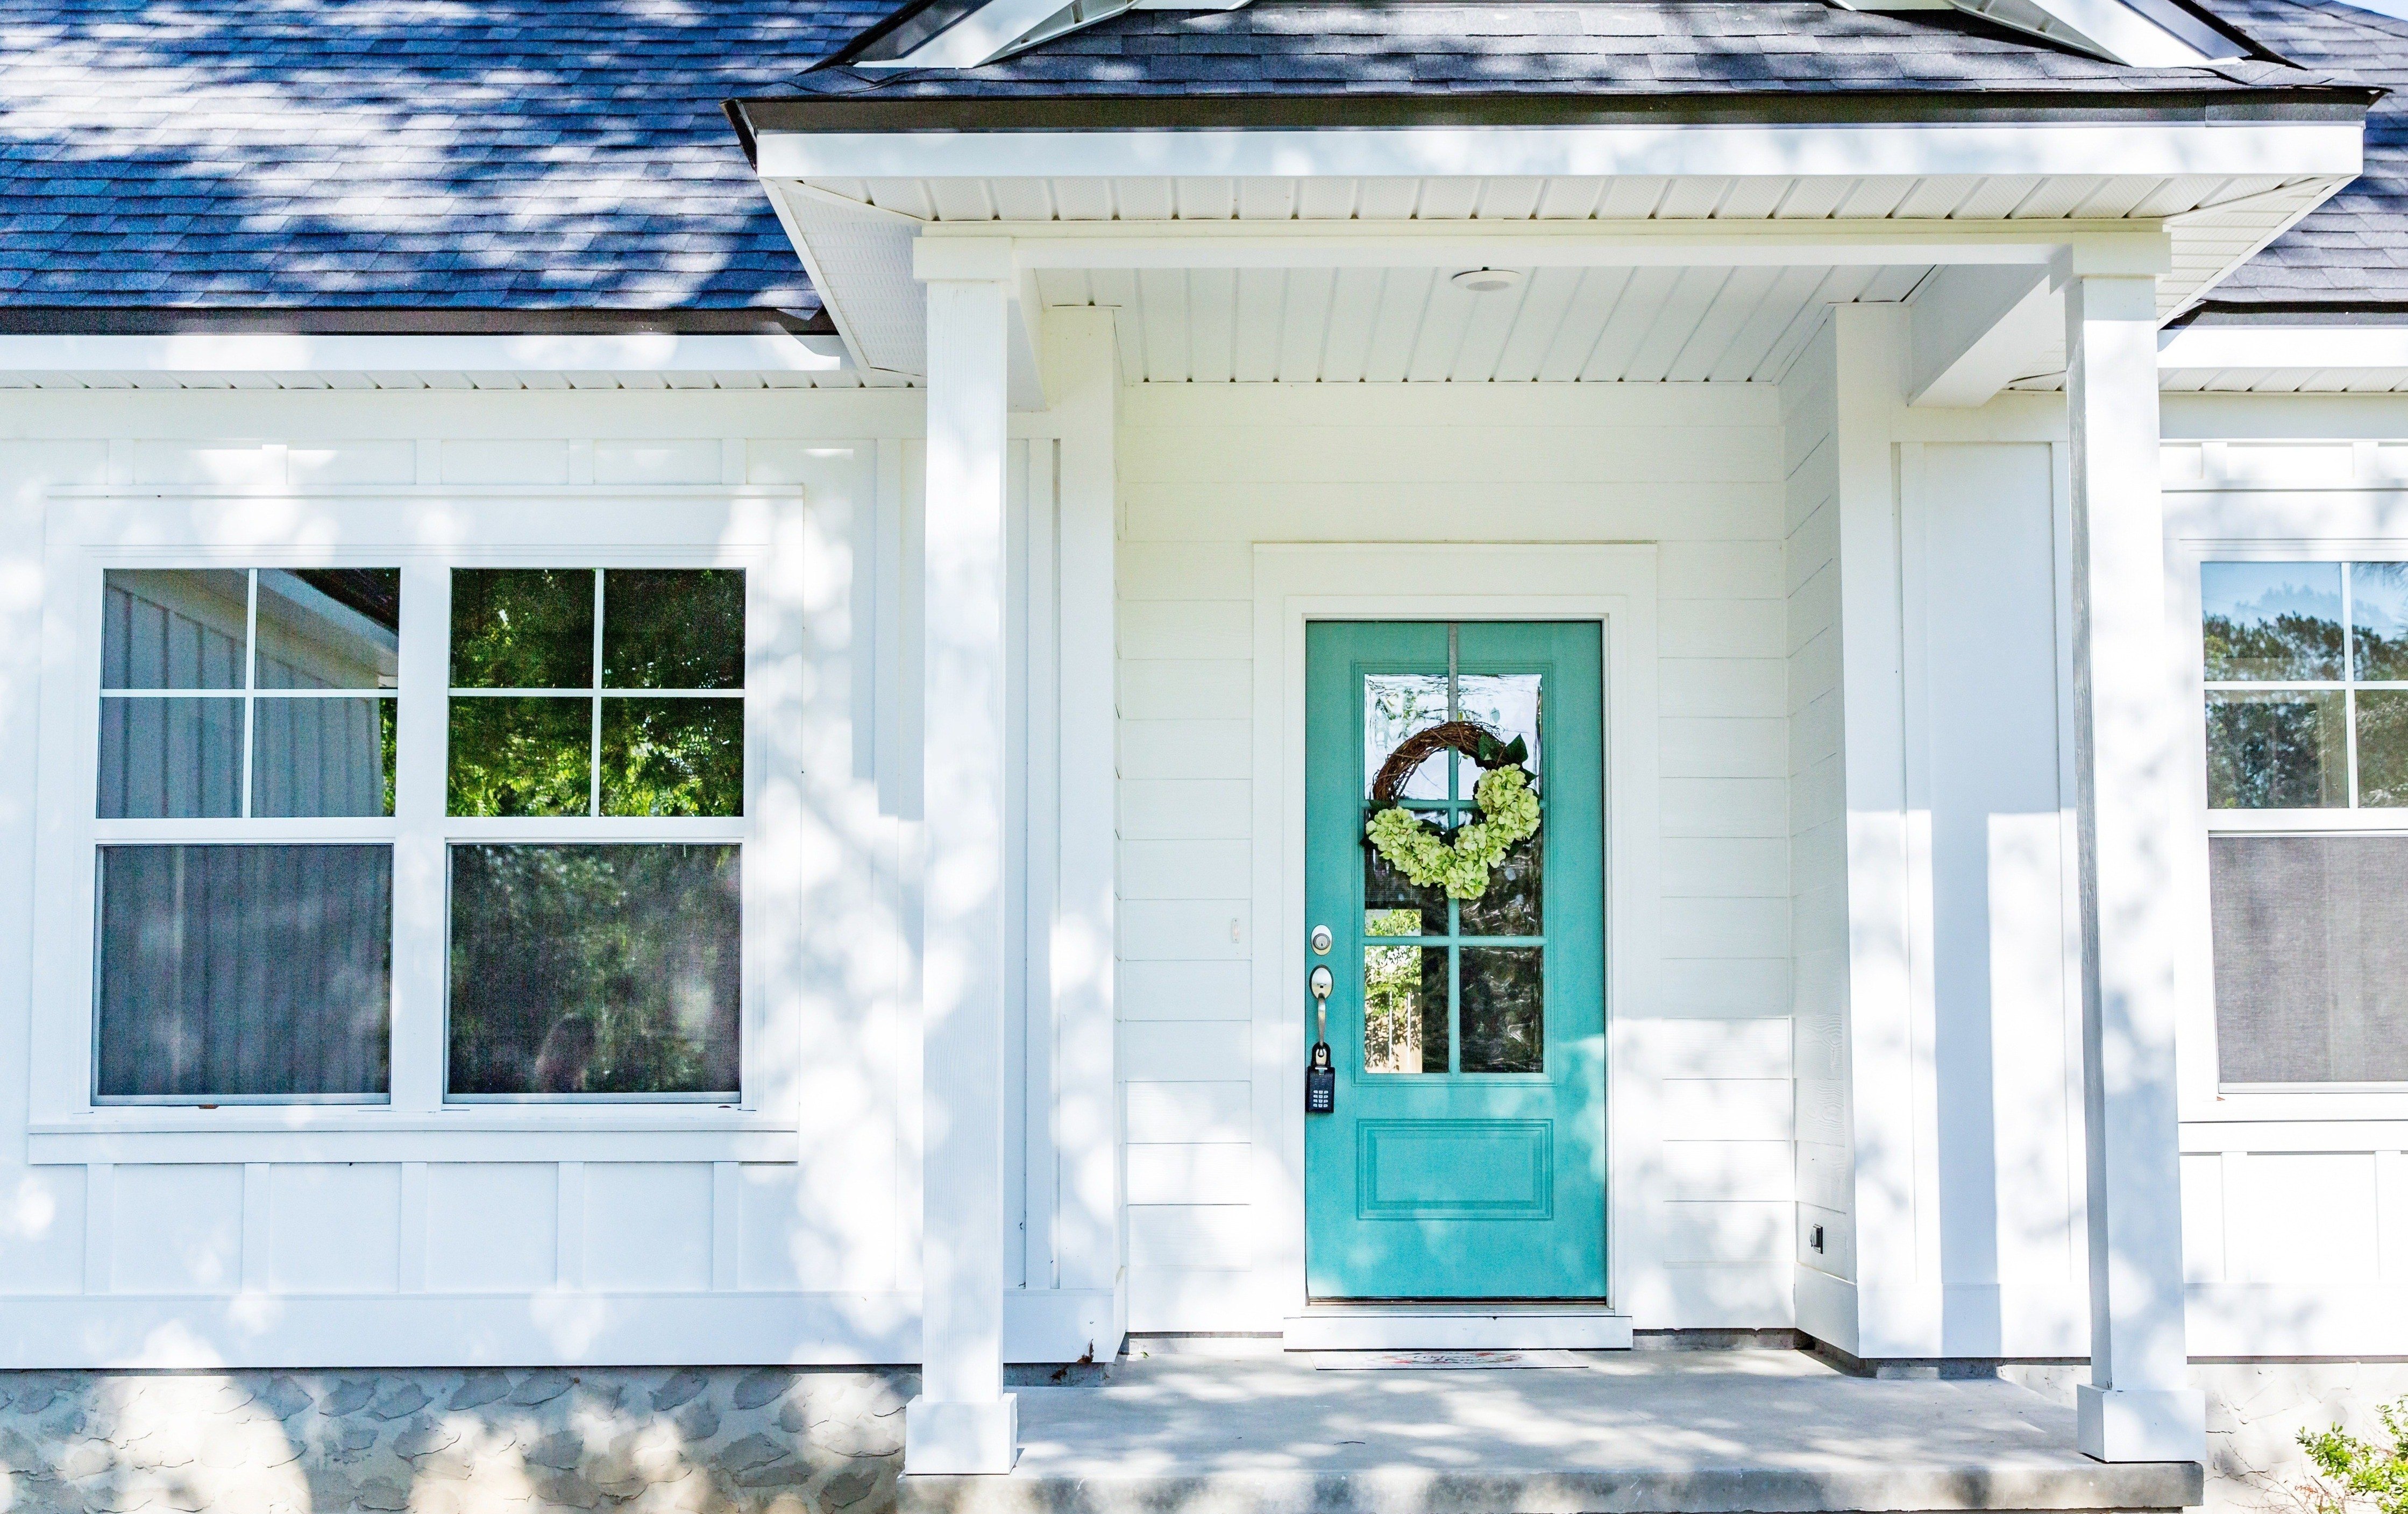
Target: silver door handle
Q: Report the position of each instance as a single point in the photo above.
(1321, 982)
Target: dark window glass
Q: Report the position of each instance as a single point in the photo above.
(2310, 951)
(174, 627)
(322, 757)
(673, 756)
(2381, 748)
(233, 972)
(523, 627)
(333, 628)
(521, 756)
(171, 758)
(668, 753)
(1514, 905)
(673, 627)
(2279, 620)
(1504, 1002)
(595, 970)
(2276, 751)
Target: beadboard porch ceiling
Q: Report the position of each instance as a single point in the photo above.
(1388, 325)
(1701, 316)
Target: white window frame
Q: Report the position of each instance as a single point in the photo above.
(2204, 1095)
(763, 531)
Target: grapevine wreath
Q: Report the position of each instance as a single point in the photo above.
(1460, 863)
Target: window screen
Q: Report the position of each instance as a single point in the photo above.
(2311, 957)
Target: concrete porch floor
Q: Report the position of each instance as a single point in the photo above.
(1627, 1432)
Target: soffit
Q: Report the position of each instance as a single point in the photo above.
(856, 235)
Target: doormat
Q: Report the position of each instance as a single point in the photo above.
(1443, 1361)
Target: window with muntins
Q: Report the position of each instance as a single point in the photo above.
(2306, 677)
(590, 823)
(579, 968)
(245, 929)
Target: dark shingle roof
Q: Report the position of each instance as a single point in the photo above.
(570, 156)
(2351, 253)
(1646, 48)
(457, 154)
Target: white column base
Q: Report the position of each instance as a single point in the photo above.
(945, 1437)
(2164, 1424)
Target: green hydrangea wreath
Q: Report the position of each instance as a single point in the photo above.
(1460, 862)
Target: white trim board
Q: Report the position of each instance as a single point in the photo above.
(2152, 149)
(2370, 346)
(563, 1327)
(1473, 1327)
(1612, 583)
(255, 352)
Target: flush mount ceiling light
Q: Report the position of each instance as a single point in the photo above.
(1486, 280)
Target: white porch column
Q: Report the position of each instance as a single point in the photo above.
(2138, 1406)
(963, 1420)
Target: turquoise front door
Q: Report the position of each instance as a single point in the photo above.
(1464, 1156)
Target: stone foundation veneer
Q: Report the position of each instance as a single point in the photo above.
(773, 1440)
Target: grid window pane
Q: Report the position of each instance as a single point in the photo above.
(594, 970)
(2271, 621)
(2381, 748)
(2378, 621)
(330, 627)
(1404, 1009)
(2311, 955)
(322, 756)
(1504, 994)
(2276, 751)
(523, 627)
(173, 627)
(230, 973)
(170, 759)
(521, 756)
(673, 756)
(673, 627)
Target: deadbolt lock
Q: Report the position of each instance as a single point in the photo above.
(1321, 940)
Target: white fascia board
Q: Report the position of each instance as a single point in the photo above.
(2285, 347)
(641, 351)
(2153, 149)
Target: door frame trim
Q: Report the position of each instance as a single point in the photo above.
(1612, 583)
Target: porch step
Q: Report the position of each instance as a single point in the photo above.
(1635, 1432)
(1456, 1327)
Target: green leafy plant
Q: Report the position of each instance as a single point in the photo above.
(2351, 1470)
(1461, 863)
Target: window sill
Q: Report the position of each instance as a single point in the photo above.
(2331, 1111)
(474, 1132)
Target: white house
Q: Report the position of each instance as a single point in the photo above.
(651, 738)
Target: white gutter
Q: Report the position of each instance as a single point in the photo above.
(2158, 149)
(646, 352)
(2285, 347)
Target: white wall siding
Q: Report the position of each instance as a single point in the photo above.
(1207, 473)
(1816, 829)
(2295, 1204)
(453, 1246)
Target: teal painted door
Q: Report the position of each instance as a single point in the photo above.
(1466, 1154)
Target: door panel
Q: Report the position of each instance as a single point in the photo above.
(1466, 1154)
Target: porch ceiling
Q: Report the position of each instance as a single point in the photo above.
(1388, 325)
(1698, 316)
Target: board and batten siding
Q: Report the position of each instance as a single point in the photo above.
(2295, 1204)
(398, 1242)
(1208, 471)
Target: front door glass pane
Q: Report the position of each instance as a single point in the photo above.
(1429, 1004)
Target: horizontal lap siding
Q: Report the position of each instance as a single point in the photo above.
(1205, 474)
(1818, 841)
